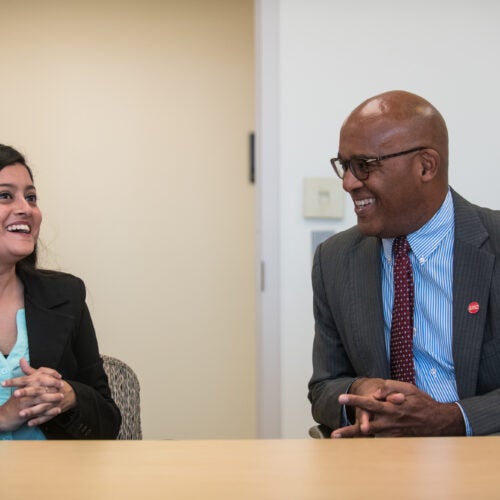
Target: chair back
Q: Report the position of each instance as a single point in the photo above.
(125, 391)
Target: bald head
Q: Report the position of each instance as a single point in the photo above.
(400, 114)
(404, 137)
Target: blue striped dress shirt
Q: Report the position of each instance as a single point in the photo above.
(432, 263)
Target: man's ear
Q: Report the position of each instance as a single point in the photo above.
(430, 162)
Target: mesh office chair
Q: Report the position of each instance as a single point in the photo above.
(125, 390)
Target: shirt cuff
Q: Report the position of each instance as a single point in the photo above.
(468, 428)
(344, 420)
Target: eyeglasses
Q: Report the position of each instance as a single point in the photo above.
(361, 167)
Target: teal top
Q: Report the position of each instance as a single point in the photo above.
(9, 368)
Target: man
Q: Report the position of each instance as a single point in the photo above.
(430, 365)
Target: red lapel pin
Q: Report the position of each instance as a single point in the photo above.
(473, 308)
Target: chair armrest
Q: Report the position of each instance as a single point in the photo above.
(320, 431)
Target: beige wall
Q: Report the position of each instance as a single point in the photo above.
(134, 116)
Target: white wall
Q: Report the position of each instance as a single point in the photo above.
(333, 54)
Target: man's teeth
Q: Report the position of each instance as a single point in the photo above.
(19, 228)
(363, 203)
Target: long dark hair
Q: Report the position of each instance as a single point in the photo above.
(9, 156)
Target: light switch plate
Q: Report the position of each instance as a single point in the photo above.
(323, 198)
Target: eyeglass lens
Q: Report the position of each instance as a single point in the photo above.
(358, 167)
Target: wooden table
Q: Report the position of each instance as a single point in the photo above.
(440, 468)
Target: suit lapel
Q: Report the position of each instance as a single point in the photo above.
(48, 334)
(368, 321)
(48, 320)
(472, 271)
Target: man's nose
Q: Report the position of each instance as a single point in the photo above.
(350, 182)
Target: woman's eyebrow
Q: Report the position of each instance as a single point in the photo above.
(13, 186)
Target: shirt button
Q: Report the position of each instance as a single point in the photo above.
(433, 371)
(421, 260)
(3, 371)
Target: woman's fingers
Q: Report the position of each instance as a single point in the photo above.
(42, 409)
(44, 417)
(39, 378)
(42, 393)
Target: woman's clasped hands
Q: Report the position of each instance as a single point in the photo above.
(39, 396)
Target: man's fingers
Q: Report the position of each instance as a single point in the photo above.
(362, 402)
(364, 421)
(396, 398)
(346, 432)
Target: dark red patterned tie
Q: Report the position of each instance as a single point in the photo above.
(402, 367)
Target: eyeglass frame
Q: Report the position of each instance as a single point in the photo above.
(366, 161)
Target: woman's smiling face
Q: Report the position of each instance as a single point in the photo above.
(20, 217)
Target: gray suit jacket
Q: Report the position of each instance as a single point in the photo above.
(349, 333)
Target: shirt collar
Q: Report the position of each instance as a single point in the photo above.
(426, 239)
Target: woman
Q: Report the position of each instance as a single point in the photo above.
(53, 383)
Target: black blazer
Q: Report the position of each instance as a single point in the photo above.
(349, 340)
(61, 336)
